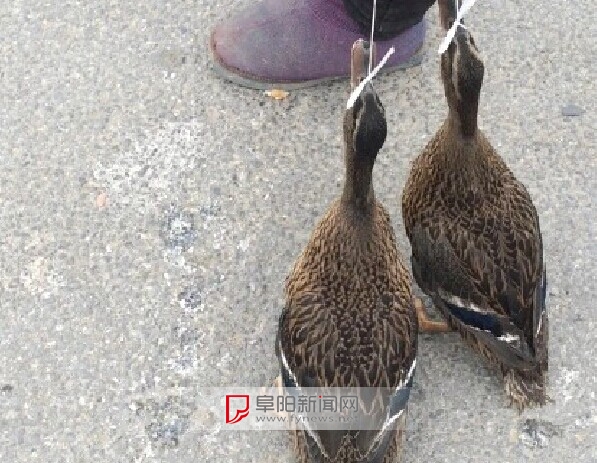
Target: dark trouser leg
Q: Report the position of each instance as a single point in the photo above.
(392, 16)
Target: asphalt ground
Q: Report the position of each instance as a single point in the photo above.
(149, 212)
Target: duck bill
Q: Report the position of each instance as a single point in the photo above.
(447, 12)
(362, 54)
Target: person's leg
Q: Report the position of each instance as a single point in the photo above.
(392, 16)
(297, 43)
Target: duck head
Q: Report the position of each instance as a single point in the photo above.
(365, 127)
(462, 74)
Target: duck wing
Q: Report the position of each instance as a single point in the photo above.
(490, 278)
(316, 349)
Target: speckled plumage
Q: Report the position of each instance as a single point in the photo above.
(349, 319)
(476, 243)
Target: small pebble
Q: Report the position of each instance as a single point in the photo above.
(572, 110)
(101, 200)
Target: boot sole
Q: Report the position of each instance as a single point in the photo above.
(415, 60)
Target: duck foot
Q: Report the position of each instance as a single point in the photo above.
(426, 325)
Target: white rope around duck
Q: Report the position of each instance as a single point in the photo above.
(464, 8)
(371, 72)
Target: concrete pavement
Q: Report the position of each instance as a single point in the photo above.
(149, 213)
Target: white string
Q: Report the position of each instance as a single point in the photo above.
(357, 91)
(371, 40)
(371, 72)
(464, 8)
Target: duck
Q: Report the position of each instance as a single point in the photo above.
(349, 318)
(477, 249)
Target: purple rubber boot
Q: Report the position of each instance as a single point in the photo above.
(290, 44)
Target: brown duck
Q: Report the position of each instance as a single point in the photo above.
(349, 319)
(476, 244)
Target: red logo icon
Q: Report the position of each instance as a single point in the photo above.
(240, 413)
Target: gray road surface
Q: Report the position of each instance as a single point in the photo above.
(149, 213)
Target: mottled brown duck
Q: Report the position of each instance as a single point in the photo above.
(476, 244)
(349, 319)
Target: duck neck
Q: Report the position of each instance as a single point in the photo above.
(358, 184)
(463, 117)
(462, 154)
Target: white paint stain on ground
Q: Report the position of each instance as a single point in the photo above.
(568, 383)
(40, 279)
